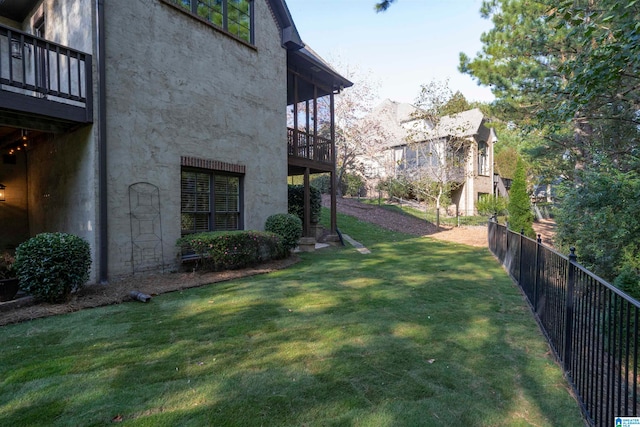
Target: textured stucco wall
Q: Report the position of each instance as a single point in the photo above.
(62, 187)
(177, 87)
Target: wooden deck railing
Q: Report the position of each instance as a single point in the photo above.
(307, 146)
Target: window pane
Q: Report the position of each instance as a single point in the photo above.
(187, 223)
(226, 222)
(195, 201)
(184, 3)
(201, 222)
(202, 202)
(232, 203)
(227, 202)
(220, 185)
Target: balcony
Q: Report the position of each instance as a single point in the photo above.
(308, 150)
(44, 84)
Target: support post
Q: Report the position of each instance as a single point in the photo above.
(568, 328)
(306, 227)
(536, 275)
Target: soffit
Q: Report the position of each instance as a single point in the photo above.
(17, 10)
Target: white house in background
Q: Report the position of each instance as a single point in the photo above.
(417, 147)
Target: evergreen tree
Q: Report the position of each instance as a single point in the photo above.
(519, 208)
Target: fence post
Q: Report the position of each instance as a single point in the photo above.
(536, 274)
(571, 278)
(520, 258)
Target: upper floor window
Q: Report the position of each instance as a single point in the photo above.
(483, 158)
(233, 16)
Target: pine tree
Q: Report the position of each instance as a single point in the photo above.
(520, 215)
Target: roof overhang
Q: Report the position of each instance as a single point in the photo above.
(317, 77)
(17, 10)
(289, 33)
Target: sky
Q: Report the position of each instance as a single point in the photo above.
(411, 44)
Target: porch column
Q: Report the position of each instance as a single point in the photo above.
(334, 216)
(306, 227)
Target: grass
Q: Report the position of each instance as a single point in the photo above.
(430, 214)
(419, 332)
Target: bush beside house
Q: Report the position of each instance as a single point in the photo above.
(227, 250)
(51, 266)
(287, 226)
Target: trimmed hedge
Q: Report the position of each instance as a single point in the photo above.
(287, 226)
(228, 250)
(52, 265)
(296, 202)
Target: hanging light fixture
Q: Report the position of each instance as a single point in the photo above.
(2, 194)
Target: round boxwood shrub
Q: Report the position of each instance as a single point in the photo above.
(288, 226)
(52, 265)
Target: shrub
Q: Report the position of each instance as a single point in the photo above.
(288, 226)
(352, 185)
(398, 187)
(629, 281)
(52, 265)
(489, 204)
(225, 250)
(296, 202)
(322, 182)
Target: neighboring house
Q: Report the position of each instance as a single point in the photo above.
(131, 123)
(457, 150)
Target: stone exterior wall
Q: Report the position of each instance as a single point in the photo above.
(176, 87)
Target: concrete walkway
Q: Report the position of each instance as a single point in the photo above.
(359, 247)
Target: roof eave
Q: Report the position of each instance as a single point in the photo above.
(291, 39)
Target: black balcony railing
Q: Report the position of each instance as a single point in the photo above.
(307, 146)
(40, 69)
(591, 325)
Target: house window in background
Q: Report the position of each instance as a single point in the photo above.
(233, 16)
(210, 201)
(483, 158)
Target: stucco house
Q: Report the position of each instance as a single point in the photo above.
(457, 149)
(131, 123)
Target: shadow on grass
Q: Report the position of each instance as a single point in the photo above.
(416, 333)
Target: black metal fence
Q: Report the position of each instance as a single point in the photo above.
(591, 325)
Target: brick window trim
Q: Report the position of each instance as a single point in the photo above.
(213, 165)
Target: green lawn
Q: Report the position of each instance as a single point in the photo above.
(418, 332)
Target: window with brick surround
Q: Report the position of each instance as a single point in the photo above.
(210, 201)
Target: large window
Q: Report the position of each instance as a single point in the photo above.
(483, 158)
(210, 201)
(233, 16)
